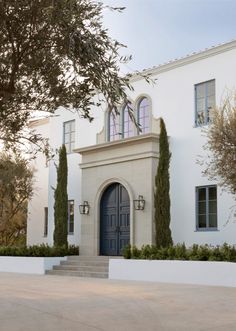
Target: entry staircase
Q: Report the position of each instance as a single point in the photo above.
(82, 266)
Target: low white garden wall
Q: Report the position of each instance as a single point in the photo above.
(182, 272)
(28, 265)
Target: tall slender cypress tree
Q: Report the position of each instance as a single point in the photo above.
(161, 196)
(61, 201)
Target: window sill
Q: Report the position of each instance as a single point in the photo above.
(71, 234)
(195, 126)
(207, 230)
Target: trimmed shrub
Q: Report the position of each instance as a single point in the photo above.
(126, 252)
(161, 195)
(61, 201)
(180, 252)
(39, 251)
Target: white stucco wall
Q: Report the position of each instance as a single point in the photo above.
(178, 272)
(46, 176)
(173, 99)
(28, 265)
(35, 222)
(73, 188)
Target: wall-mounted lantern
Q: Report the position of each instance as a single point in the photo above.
(139, 204)
(84, 208)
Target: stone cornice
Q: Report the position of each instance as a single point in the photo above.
(118, 143)
(120, 151)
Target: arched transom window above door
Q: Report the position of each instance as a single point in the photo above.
(120, 126)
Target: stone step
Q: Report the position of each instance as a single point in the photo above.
(81, 268)
(88, 258)
(77, 273)
(85, 263)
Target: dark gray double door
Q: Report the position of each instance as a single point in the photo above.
(114, 220)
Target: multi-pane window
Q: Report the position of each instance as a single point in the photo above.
(113, 126)
(206, 207)
(69, 135)
(70, 216)
(143, 113)
(122, 126)
(45, 221)
(127, 124)
(204, 102)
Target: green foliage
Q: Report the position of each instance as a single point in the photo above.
(126, 252)
(146, 252)
(54, 53)
(180, 252)
(16, 187)
(61, 202)
(219, 163)
(40, 251)
(161, 196)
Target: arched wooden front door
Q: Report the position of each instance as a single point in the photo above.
(114, 220)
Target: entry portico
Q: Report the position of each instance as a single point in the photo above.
(108, 169)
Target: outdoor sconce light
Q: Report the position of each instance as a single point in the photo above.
(139, 204)
(84, 208)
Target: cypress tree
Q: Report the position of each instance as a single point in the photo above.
(161, 196)
(61, 201)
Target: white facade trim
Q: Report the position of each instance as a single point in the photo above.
(173, 64)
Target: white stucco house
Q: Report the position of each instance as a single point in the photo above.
(111, 164)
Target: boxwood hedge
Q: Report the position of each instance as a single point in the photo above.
(181, 252)
(39, 250)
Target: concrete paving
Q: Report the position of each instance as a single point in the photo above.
(55, 303)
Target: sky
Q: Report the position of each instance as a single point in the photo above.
(157, 31)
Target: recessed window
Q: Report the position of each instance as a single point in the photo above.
(204, 102)
(71, 217)
(69, 136)
(206, 207)
(45, 222)
(143, 115)
(127, 123)
(113, 126)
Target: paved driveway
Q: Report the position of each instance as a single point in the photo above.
(48, 303)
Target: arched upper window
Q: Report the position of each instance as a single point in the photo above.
(127, 124)
(113, 126)
(121, 125)
(143, 115)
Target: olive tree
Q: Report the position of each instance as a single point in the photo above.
(54, 53)
(220, 163)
